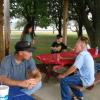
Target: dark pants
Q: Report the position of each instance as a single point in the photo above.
(97, 67)
(66, 84)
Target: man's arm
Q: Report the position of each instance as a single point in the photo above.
(35, 74)
(77, 65)
(32, 71)
(53, 48)
(25, 84)
(68, 72)
(8, 81)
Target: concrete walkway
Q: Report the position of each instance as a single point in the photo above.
(51, 91)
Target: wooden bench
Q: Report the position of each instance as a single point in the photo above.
(97, 80)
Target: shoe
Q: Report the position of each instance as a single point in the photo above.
(77, 98)
(74, 98)
(80, 98)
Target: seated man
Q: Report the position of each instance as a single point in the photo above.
(58, 46)
(20, 70)
(84, 63)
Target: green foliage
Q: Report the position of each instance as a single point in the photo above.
(55, 9)
(40, 12)
(44, 22)
(80, 10)
(33, 11)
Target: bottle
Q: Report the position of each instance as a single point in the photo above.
(96, 50)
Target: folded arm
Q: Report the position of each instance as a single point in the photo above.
(34, 74)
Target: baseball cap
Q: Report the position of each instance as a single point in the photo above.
(24, 46)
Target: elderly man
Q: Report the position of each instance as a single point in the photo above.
(84, 65)
(20, 70)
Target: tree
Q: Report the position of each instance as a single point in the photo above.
(97, 22)
(55, 9)
(82, 10)
(31, 10)
(91, 24)
(75, 14)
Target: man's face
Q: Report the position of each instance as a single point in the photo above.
(60, 40)
(78, 46)
(25, 55)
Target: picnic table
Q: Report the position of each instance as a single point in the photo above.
(54, 58)
(58, 63)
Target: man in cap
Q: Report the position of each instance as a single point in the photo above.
(20, 69)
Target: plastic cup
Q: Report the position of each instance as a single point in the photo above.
(4, 91)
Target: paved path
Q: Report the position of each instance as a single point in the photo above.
(51, 91)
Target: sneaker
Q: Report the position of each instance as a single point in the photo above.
(74, 98)
(80, 98)
(77, 98)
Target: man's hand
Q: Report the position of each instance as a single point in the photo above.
(68, 72)
(54, 48)
(29, 83)
(61, 76)
(34, 74)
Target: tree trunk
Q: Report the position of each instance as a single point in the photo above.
(7, 26)
(60, 26)
(80, 25)
(92, 27)
(79, 10)
(89, 28)
(97, 22)
(65, 16)
(32, 21)
(2, 43)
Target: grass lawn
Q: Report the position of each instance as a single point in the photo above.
(43, 41)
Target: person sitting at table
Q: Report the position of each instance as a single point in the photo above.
(19, 69)
(58, 46)
(84, 65)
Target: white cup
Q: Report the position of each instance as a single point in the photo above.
(4, 91)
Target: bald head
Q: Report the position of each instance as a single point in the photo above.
(81, 44)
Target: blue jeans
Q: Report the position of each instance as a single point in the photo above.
(97, 67)
(34, 89)
(66, 84)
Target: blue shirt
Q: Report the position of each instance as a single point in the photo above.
(85, 64)
(12, 70)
